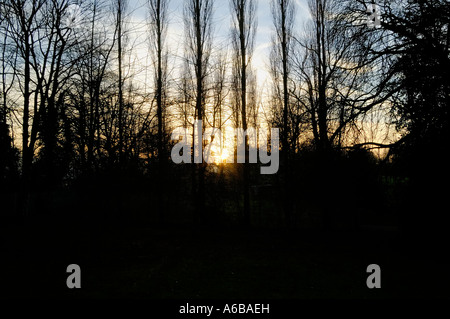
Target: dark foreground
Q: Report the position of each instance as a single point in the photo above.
(182, 262)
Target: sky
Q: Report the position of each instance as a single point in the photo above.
(222, 24)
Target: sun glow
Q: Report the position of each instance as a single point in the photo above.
(224, 155)
(219, 155)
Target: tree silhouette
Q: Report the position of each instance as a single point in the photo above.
(198, 28)
(243, 38)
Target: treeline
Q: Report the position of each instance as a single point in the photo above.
(356, 104)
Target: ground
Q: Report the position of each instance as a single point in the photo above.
(182, 261)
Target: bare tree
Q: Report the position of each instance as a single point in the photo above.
(23, 25)
(7, 60)
(253, 100)
(283, 12)
(120, 34)
(158, 34)
(243, 38)
(216, 117)
(92, 72)
(198, 16)
(45, 46)
(8, 57)
(53, 71)
(185, 111)
(339, 82)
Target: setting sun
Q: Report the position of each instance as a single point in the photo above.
(224, 156)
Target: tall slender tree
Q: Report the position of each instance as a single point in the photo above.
(243, 39)
(283, 13)
(120, 34)
(158, 33)
(198, 16)
(158, 10)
